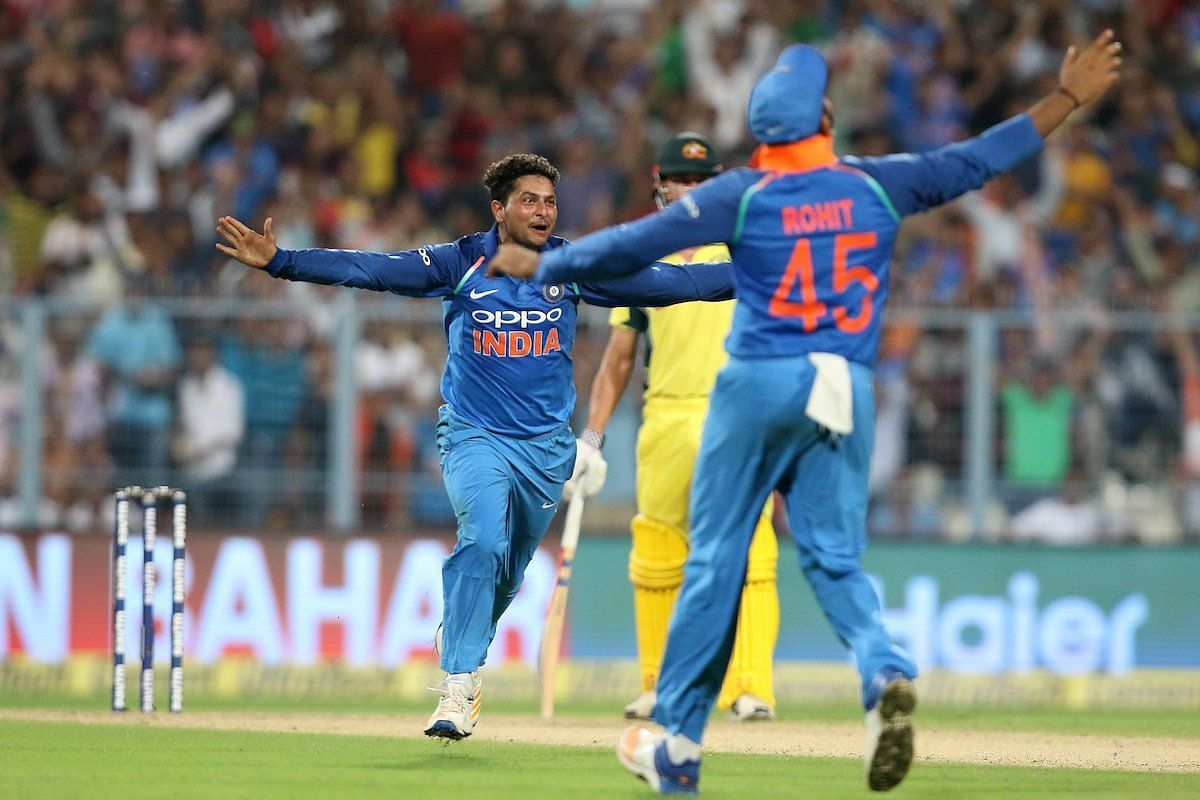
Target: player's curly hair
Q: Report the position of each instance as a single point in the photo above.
(501, 177)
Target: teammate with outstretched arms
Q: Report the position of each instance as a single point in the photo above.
(502, 434)
(811, 239)
(683, 355)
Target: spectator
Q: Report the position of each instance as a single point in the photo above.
(1188, 364)
(434, 39)
(858, 60)
(587, 181)
(367, 125)
(274, 381)
(727, 53)
(84, 251)
(891, 424)
(1003, 216)
(136, 348)
(377, 145)
(910, 508)
(187, 261)
(1177, 210)
(395, 384)
(211, 426)
(253, 157)
(1037, 410)
(1069, 517)
(941, 248)
(1087, 177)
(77, 464)
(28, 211)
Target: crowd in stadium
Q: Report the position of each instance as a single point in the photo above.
(127, 127)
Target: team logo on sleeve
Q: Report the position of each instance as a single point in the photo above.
(554, 292)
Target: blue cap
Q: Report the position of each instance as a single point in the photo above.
(787, 103)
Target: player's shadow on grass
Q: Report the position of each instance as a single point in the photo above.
(424, 763)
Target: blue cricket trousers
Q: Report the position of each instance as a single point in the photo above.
(758, 438)
(504, 492)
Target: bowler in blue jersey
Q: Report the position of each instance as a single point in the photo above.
(506, 448)
(811, 239)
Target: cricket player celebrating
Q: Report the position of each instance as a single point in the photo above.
(684, 353)
(811, 238)
(506, 449)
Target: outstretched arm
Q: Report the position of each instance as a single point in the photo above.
(426, 272)
(613, 376)
(705, 215)
(917, 182)
(662, 284)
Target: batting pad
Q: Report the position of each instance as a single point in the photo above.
(656, 572)
(750, 665)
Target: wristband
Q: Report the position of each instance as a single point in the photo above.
(1070, 95)
(593, 437)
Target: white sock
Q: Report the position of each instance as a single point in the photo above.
(463, 678)
(681, 749)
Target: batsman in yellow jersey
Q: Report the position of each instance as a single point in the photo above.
(684, 353)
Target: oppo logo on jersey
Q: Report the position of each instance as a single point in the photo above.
(525, 317)
(517, 343)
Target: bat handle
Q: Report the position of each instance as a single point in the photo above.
(574, 521)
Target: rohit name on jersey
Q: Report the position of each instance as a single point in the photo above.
(516, 333)
(831, 215)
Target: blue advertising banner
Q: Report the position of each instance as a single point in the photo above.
(965, 608)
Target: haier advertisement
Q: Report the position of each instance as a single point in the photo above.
(377, 601)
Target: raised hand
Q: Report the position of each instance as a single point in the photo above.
(251, 248)
(1086, 74)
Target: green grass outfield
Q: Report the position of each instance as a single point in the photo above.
(1180, 723)
(56, 760)
(44, 759)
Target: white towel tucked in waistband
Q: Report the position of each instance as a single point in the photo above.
(831, 402)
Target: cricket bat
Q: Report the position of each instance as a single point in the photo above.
(556, 615)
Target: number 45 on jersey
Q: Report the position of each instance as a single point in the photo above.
(800, 270)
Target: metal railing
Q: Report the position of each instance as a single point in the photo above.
(340, 481)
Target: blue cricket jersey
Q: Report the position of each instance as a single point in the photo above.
(811, 248)
(508, 369)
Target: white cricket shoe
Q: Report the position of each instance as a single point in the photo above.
(458, 709)
(889, 749)
(642, 707)
(749, 708)
(644, 753)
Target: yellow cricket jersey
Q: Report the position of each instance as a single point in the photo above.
(685, 347)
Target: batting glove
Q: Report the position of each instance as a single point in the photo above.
(590, 467)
